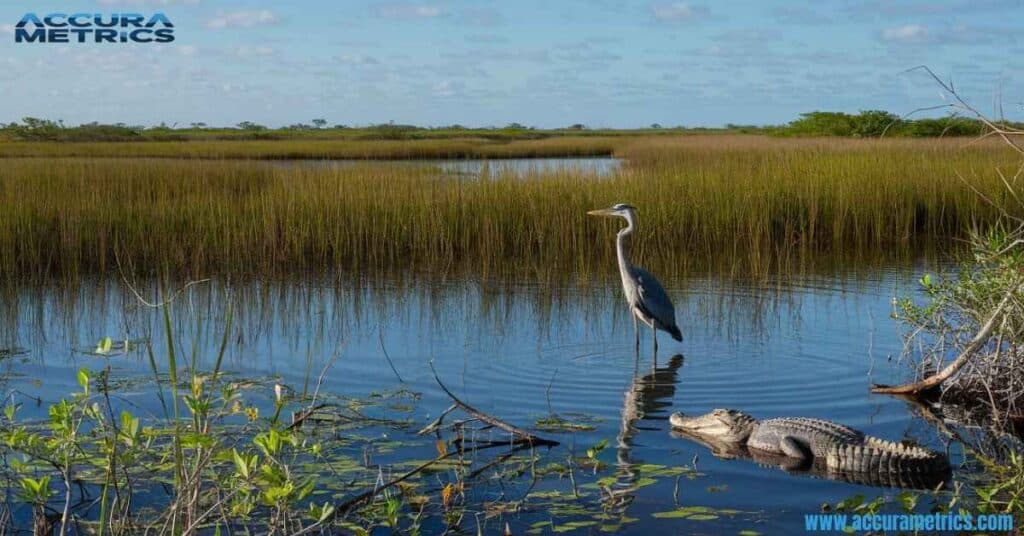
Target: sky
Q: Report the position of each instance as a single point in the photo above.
(550, 63)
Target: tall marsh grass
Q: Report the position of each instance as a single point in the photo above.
(322, 149)
(743, 205)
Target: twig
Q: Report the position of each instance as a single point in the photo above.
(437, 422)
(301, 417)
(547, 392)
(493, 421)
(146, 302)
(297, 420)
(380, 336)
(1003, 132)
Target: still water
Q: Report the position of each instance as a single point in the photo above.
(523, 353)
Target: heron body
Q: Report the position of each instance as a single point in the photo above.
(647, 299)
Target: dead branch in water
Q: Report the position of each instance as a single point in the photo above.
(969, 350)
(519, 433)
(436, 424)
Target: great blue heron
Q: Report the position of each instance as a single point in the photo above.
(646, 297)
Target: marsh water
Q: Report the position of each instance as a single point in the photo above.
(525, 352)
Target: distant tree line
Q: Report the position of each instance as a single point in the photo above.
(866, 124)
(877, 123)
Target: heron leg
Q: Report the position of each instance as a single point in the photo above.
(654, 335)
(636, 334)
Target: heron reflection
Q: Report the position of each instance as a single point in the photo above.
(645, 404)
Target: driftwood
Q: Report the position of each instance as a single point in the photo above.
(969, 350)
(519, 433)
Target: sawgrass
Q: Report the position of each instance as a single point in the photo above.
(740, 205)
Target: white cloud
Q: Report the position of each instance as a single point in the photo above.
(908, 33)
(243, 19)
(408, 11)
(677, 12)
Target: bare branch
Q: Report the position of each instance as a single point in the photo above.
(969, 350)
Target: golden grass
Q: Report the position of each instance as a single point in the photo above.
(745, 205)
(322, 149)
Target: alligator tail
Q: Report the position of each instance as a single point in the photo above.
(879, 455)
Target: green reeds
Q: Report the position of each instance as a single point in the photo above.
(740, 204)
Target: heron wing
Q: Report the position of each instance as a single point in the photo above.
(653, 300)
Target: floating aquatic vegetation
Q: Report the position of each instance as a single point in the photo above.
(696, 513)
(558, 423)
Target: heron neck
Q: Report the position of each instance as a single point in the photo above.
(622, 247)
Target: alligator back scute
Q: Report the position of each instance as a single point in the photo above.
(820, 435)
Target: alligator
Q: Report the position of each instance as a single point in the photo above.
(817, 446)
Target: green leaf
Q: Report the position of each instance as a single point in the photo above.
(592, 452)
(104, 346)
(909, 501)
(695, 513)
(325, 512)
(240, 466)
(83, 379)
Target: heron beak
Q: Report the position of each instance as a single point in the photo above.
(601, 212)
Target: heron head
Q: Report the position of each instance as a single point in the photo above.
(621, 210)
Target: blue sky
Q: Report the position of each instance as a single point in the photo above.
(545, 63)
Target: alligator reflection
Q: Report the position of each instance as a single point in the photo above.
(646, 400)
(817, 468)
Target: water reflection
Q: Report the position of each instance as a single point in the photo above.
(648, 398)
(817, 468)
